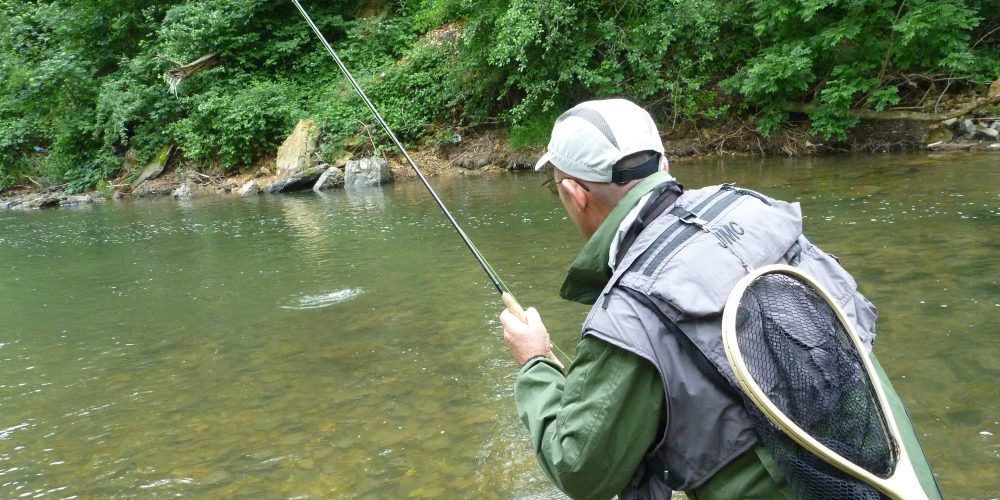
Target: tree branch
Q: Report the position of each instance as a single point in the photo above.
(184, 71)
(188, 70)
(870, 114)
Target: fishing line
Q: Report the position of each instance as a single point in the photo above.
(505, 294)
(497, 282)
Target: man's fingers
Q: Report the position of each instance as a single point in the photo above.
(532, 318)
(508, 319)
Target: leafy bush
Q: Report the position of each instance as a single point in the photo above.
(81, 83)
(413, 83)
(232, 125)
(535, 56)
(842, 54)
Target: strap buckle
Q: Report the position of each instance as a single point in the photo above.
(692, 219)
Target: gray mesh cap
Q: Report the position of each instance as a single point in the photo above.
(591, 137)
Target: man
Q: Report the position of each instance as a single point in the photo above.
(646, 407)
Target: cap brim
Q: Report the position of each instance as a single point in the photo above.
(544, 160)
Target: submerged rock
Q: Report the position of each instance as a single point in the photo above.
(295, 181)
(367, 172)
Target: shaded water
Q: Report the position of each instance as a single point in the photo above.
(347, 345)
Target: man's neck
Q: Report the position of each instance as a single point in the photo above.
(595, 217)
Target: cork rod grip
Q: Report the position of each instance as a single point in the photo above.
(513, 306)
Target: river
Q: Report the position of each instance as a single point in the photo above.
(347, 345)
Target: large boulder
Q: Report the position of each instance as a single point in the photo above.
(367, 172)
(295, 154)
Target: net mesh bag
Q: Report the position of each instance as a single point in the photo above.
(799, 353)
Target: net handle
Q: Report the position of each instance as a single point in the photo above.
(903, 483)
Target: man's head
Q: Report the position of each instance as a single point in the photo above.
(599, 150)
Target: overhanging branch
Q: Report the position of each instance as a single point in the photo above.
(870, 114)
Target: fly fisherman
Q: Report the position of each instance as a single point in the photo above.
(643, 409)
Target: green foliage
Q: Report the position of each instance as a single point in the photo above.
(525, 58)
(986, 41)
(934, 34)
(233, 125)
(411, 81)
(51, 65)
(841, 54)
(82, 83)
(534, 130)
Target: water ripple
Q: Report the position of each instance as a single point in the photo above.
(325, 299)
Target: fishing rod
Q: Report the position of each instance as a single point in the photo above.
(508, 298)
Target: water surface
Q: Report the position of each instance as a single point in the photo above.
(347, 345)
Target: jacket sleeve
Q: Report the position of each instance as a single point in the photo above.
(591, 429)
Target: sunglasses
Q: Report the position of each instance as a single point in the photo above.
(553, 185)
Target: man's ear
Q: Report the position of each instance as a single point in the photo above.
(579, 197)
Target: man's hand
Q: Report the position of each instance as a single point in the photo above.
(526, 340)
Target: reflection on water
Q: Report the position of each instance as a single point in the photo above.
(346, 344)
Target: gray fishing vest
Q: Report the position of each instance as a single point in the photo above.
(664, 303)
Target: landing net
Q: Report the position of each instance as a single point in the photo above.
(802, 357)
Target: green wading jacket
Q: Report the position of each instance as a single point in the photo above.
(591, 429)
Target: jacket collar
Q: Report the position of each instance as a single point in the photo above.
(590, 272)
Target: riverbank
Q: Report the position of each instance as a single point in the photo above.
(492, 152)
